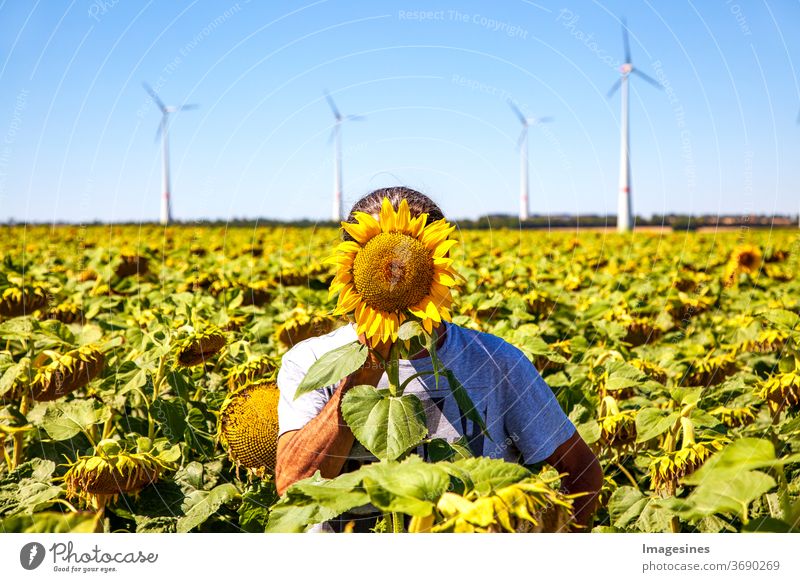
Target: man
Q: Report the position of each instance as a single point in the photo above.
(523, 419)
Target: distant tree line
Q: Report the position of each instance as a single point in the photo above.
(497, 221)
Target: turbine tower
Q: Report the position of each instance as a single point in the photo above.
(336, 137)
(166, 209)
(522, 144)
(624, 210)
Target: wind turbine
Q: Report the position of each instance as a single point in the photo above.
(166, 210)
(336, 137)
(522, 144)
(624, 210)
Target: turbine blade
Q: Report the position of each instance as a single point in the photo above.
(160, 129)
(522, 137)
(188, 107)
(625, 42)
(332, 105)
(332, 136)
(155, 97)
(354, 118)
(518, 113)
(614, 88)
(648, 78)
(544, 120)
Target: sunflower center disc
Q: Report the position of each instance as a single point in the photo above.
(393, 272)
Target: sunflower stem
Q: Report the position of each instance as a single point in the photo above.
(414, 377)
(627, 474)
(393, 370)
(6, 456)
(157, 381)
(687, 428)
(24, 407)
(397, 524)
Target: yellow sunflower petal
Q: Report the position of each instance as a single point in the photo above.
(417, 224)
(387, 216)
(442, 248)
(444, 278)
(360, 231)
(403, 217)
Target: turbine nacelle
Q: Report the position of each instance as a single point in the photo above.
(626, 69)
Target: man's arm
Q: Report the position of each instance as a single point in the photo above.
(583, 475)
(325, 441)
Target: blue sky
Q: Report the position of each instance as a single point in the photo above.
(77, 129)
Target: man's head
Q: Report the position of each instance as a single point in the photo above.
(418, 204)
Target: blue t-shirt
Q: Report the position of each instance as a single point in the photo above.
(523, 418)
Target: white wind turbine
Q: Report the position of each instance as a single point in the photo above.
(166, 209)
(624, 210)
(522, 144)
(336, 137)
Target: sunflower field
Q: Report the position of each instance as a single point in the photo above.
(138, 366)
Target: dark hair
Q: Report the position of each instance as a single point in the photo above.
(418, 204)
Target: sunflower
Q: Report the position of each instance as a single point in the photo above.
(618, 431)
(248, 426)
(66, 312)
(302, 323)
(747, 258)
(734, 416)
(395, 267)
(667, 469)
(532, 505)
(780, 390)
(199, 346)
(22, 300)
(65, 373)
(101, 477)
(255, 368)
(744, 259)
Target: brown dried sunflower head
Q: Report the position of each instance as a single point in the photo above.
(65, 373)
(199, 346)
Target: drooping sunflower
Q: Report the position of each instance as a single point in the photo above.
(254, 369)
(199, 346)
(529, 506)
(668, 468)
(65, 373)
(734, 416)
(396, 267)
(302, 323)
(781, 390)
(98, 478)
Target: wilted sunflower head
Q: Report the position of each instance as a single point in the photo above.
(199, 346)
(734, 416)
(531, 505)
(65, 373)
(111, 471)
(303, 323)
(254, 369)
(395, 267)
(66, 312)
(248, 426)
(782, 389)
(16, 300)
(667, 469)
(618, 430)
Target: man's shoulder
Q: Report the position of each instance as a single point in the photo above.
(486, 343)
(309, 350)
